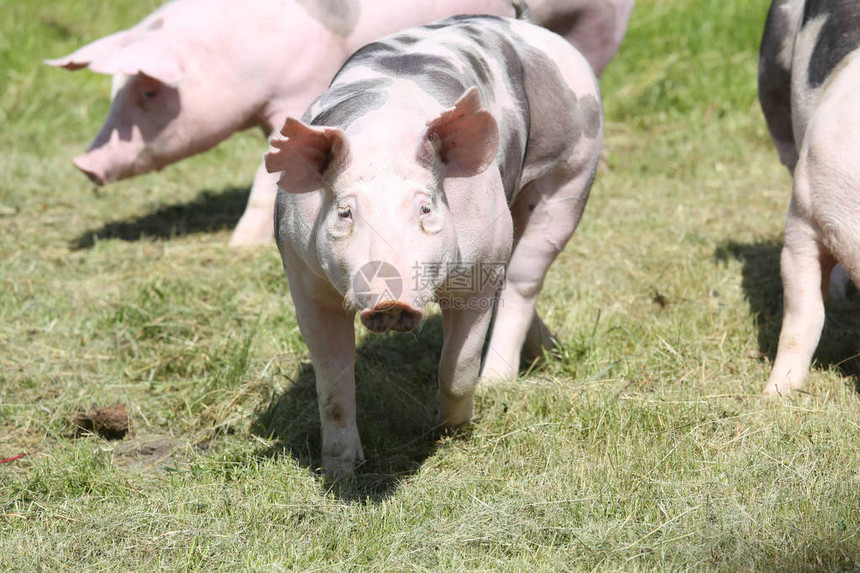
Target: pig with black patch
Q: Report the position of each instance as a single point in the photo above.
(449, 163)
(809, 81)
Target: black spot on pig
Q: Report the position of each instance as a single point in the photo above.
(590, 111)
(774, 79)
(434, 74)
(446, 87)
(341, 112)
(839, 36)
(368, 52)
(406, 39)
(409, 63)
(478, 65)
(512, 61)
(511, 160)
(343, 91)
(548, 92)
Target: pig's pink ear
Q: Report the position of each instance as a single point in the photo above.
(150, 57)
(303, 155)
(467, 136)
(101, 48)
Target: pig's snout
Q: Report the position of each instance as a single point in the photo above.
(95, 174)
(397, 316)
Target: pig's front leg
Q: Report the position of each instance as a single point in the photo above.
(329, 332)
(464, 330)
(256, 227)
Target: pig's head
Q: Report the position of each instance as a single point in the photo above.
(385, 234)
(161, 111)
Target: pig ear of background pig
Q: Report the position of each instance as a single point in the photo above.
(150, 57)
(467, 136)
(93, 51)
(304, 155)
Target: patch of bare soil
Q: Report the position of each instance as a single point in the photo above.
(151, 452)
(110, 423)
(140, 453)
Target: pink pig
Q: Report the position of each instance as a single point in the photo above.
(195, 71)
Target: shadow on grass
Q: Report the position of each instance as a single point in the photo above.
(395, 394)
(840, 340)
(210, 211)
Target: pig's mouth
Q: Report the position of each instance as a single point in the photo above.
(91, 173)
(397, 316)
(95, 170)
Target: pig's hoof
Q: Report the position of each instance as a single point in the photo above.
(454, 412)
(774, 391)
(341, 453)
(779, 390)
(340, 466)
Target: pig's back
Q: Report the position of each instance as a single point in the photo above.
(493, 54)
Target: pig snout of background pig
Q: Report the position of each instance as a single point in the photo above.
(132, 140)
(155, 118)
(194, 72)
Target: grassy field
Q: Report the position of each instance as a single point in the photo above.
(642, 445)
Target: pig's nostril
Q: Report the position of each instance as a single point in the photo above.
(409, 319)
(391, 316)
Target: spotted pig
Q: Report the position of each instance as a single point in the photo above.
(439, 154)
(809, 78)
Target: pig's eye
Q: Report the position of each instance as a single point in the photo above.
(149, 94)
(425, 209)
(344, 212)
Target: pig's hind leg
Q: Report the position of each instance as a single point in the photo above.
(805, 264)
(256, 227)
(545, 214)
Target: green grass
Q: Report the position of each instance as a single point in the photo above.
(642, 445)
